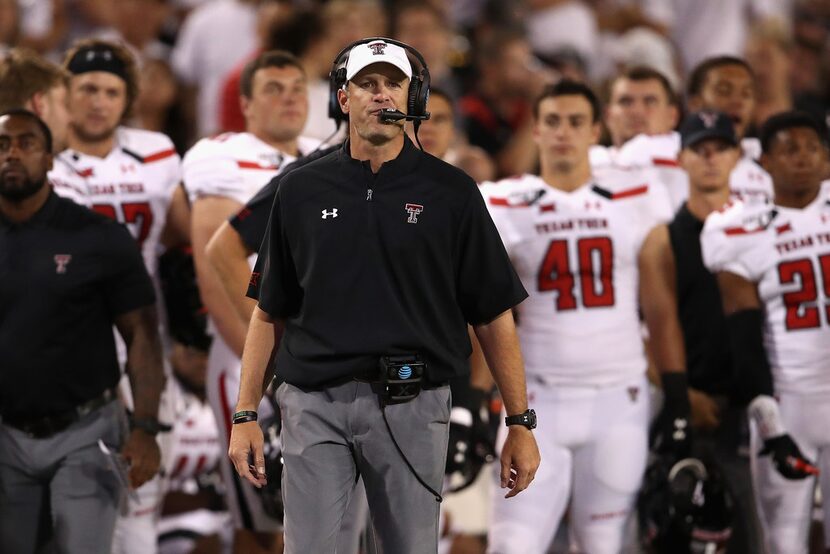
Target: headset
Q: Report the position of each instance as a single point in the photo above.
(418, 86)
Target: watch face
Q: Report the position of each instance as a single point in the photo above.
(531, 419)
(527, 419)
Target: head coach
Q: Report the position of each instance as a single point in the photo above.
(376, 258)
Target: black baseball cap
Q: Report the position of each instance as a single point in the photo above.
(707, 124)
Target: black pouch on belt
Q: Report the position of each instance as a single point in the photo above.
(400, 377)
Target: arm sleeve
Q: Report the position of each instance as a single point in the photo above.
(486, 282)
(128, 285)
(280, 294)
(749, 357)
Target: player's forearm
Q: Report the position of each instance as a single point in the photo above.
(228, 256)
(666, 341)
(144, 361)
(500, 345)
(209, 214)
(263, 337)
(176, 231)
(230, 326)
(658, 300)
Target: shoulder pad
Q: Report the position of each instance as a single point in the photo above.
(514, 192)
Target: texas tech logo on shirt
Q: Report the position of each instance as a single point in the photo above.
(414, 210)
(61, 261)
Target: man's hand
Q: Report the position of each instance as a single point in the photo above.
(246, 438)
(705, 411)
(787, 458)
(143, 457)
(519, 460)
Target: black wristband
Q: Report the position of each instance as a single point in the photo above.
(244, 416)
(676, 392)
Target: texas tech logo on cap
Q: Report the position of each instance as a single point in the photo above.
(414, 210)
(709, 119)
(61, 261)
(377, 48)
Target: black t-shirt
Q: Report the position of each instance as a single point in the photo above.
(361, 265)
(709, 364)
(251, 221)
(65, 274)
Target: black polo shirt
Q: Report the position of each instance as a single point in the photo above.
(65, 274)
(708, 361)
(252, 220)
(362, 264)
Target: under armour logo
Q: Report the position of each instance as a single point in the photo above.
(254, 279)
(327, 214)
(708, 119)
(127, 168)
(414, 210)
(633, 393)
(61, 261)
(377, 48)
(592, 205)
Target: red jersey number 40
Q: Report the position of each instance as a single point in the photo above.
(595, 273)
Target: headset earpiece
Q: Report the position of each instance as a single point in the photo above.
(337, 78)
(418, 86)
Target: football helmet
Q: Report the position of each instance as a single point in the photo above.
(684, 508)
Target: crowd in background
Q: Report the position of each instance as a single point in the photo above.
(493, 57)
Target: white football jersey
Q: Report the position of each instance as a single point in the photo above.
(133, 184)
(576, 254)
(234, 165)
(786, 252)
(748, 179)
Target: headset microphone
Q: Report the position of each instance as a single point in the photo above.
(389, 115)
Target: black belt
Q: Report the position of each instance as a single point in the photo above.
(45, 427)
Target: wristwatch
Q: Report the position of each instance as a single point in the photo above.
(526, 419)
(149, 426)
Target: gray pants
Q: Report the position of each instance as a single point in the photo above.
(332, 436)
(67, 472)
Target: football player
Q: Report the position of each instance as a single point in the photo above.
(725, 84)
(773, 268)
(221, 174)
(132, 176)
(575, 239)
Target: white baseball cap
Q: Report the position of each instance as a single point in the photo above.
(377, 51)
